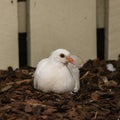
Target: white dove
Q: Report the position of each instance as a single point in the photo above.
(57, 73)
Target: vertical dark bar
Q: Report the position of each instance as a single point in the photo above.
(22, 49)
(100, 43)
(22, 38)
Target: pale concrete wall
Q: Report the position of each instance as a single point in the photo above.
(8, 34)
(113, 29)
(69, 24)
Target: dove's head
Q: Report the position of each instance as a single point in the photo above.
(62, 55)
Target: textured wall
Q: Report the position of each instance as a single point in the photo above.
(69, 24)
(8, 34)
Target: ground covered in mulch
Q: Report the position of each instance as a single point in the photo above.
(98, 98)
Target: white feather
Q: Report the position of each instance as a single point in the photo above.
(110, 67)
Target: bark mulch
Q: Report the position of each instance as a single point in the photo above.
(98, 98)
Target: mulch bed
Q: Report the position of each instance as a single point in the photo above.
(98, 98)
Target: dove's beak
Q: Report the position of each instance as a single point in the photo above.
(70, 60)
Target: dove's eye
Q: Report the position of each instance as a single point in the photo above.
(62, 55)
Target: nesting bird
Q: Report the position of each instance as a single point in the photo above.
(57, 73)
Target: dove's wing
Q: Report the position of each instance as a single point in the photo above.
(39, 68)
(74, 70)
